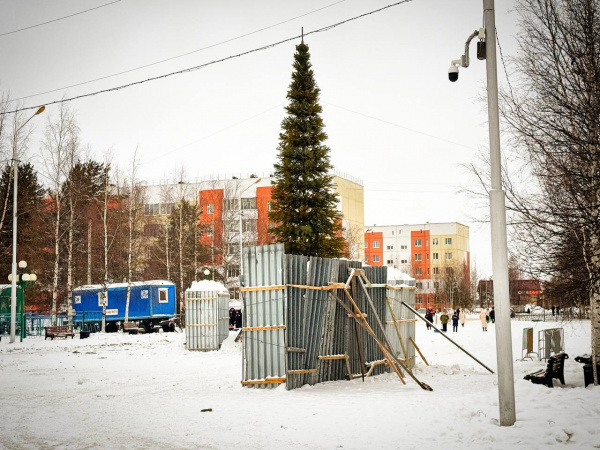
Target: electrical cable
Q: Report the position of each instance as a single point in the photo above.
(175, 57)
(56, 20)
(503, 64)
(201, 66)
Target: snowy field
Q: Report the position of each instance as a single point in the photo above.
(147, 391)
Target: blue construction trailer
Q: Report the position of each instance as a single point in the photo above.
(151, 303)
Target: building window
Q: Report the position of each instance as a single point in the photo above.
(210, 208)
(417, 242)
(404, 261)
(366, 259)
(448, 255)
(417, 257)
(428, 271)
(418, 271)
(436, 284)
(436, 270)
(366, 244)
(151, 209)
(375, 258)
(448, 241)
(230, 204)
(269, 205)
(375, 244)
(209, 230)
(419, 285)
(152, 230)
(390, 262)
(435, 241)
(390, 247)
(449, 271)
(233, 271)
(166, 209)
(403, 247)
(249, 203)
(426, 255)
(249, 225)
(392, 232)
(436, 256)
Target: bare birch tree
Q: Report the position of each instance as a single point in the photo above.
(61, 135)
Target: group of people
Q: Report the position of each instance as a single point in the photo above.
(235, 318)
(457, 317)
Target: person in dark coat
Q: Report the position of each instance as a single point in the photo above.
(429, 317)
(238, 319)
(455, 321)
(231, 318)
(493, 315)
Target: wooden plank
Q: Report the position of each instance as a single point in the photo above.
(398, 288)
(295, 349)
(262, 288)
(275, 327)
(274, 380)
(301, 371)
(391, 322)
(356, 316)
(318, 288)
(333, 357)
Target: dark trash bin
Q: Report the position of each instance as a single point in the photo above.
(588, 373)
(84, 334)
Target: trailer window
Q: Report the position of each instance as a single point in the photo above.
(162, 296)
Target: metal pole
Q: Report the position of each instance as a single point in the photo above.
(13, 291)
(506, 388)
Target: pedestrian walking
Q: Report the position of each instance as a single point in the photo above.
(444, 318)
(462, 317)
(454, 322)
(429, 317)
(483, 316)
(493, 315)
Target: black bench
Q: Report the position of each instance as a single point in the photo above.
(58, 331)
(554, 369)
(132, 328)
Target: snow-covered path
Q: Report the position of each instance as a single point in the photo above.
(147, 391)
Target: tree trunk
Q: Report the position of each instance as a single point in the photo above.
(70, 260)
(89, 252)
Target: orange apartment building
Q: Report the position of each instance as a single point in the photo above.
(226, 202)
(431, 253)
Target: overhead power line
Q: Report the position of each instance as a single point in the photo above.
(178, 56)
(201, 66)
(56, 20)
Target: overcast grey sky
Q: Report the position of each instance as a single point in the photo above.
(393, 118)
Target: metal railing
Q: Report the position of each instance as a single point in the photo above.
(36, 324)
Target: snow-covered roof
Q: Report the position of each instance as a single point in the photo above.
(394, 274)
(207, 286)
(92, 287)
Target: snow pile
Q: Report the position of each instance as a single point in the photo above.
(397, 275)
(122, 391)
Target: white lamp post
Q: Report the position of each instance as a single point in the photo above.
(241, 231)
(23, 279)
(13, 292)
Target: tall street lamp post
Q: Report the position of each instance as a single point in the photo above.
(486, 49)
(13, 293)
(23, 280)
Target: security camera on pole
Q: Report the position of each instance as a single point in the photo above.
(486, 49)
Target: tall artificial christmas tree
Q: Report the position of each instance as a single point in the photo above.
(304, 208)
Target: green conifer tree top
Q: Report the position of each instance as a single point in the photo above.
(304, 208)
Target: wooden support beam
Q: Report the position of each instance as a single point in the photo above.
(334, 357)
(267, 328)
(271, 380)
(261, 288)
(399, 288)
(356, 316)
(318, 288)
(417, 349)
(391, 322)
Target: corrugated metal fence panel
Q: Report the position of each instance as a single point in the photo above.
(296, 267)
(328, 330)
(377, 276)
(264, 350)
(407, 329)
(204, 319)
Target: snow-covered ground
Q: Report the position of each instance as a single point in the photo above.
(147, 391)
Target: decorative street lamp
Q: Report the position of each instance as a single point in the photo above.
(22, 280)
(206, 273)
